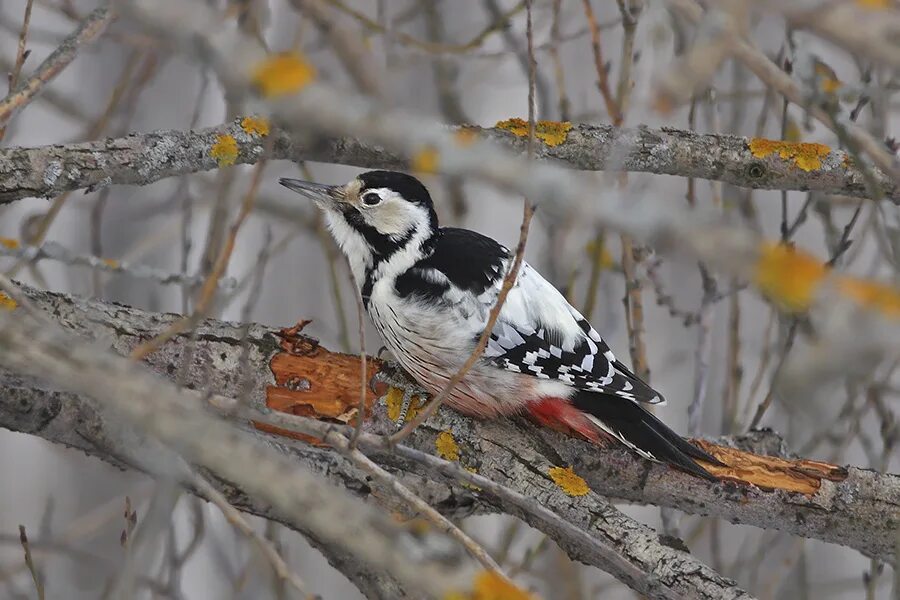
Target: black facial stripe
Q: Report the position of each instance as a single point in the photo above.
(387, 248)
(381, 244)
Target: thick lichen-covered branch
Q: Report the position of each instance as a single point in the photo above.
(144, 158)
(283, 366)
(291, 372)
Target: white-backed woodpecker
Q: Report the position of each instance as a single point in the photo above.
(429, 290)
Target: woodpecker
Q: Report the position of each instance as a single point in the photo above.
(429, 291)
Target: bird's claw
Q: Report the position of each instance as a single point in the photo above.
(393, 376)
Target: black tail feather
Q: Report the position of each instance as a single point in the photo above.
(641, 430)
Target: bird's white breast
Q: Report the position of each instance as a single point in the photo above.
(432, 342)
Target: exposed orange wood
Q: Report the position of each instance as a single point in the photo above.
(770, 473)
(311, 381)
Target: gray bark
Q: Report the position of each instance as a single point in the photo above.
(140, 159)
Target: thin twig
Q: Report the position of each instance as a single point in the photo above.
(612, 108)
(363, 380)
(428, 46)
(29, 561)
(702, 352)
(565, 105)
(237, 520)
(21, 55)
(208, 291)
(630, 10)
(341, 443)
(770, 395)
(346, 45)
(89, 30)
(54, 251)
(508, 280)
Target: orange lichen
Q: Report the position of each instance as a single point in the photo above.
(828, 79)
(255, 126)
(874, 4)
(806, 156)
(283, 74)
(394, 402)
(791, 278)
(7, 303)
(871, 294)
(9, 243)
(425, 161)
(110, 262)
(225, 150)
(598, 251)
(552, 133)
(415, 525)
(466, 136)
(788, 276)
(446, 446)
(491, 586)
(568, 481)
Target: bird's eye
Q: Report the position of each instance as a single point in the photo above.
(371, 199)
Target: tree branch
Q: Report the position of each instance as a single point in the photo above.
(141, 159)
(292, 373)
(130, 403)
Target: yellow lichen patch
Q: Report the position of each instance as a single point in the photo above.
(9, 243)
(255, 126)
(552, 133)
(874, 4)
(663, 103)
(110, 262)
(806, 156)
(788, 276)
(828, 79)
(466, 136)
(446, 446)
(283, 74)
(225, 150)
(569, 482)
(425, 161)
(491, 586)
(7, 303)
(871, 294)
(598, 251)
(415, 525)
(471, 486)
(394, 402)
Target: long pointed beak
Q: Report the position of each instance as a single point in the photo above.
(323, 195)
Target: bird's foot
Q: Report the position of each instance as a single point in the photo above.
(402, 394)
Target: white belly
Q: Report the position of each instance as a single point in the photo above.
(433, 346)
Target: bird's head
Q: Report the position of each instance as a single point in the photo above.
(379, 212)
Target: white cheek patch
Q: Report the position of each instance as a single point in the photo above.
(394, 217)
